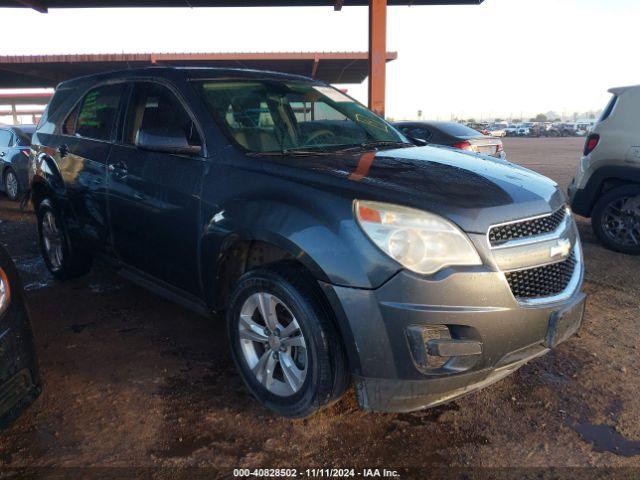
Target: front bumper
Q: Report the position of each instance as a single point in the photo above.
(475, 305)
(580, 200)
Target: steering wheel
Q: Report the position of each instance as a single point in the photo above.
(313, 138)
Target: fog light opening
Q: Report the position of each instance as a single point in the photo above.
(419, 337)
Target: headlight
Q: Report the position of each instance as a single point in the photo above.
(5, 292)
(420, 241)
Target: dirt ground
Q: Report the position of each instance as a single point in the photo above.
(133, 380)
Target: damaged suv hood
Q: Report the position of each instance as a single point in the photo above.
(475, 191)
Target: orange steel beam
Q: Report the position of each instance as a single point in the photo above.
(377, 54)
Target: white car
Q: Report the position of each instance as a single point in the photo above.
(607, 185)
(511, 130)
(497, 131)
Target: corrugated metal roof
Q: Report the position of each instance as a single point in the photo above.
(27, 71)
(43, 5)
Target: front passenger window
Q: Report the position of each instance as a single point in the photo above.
(155, 110)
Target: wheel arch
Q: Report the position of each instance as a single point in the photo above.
(40, 190)
(240, 253)
(602, 181)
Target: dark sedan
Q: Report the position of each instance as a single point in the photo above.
(451, 134)
(15, 144)
(19, 378)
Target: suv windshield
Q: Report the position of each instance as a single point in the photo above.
(271, 116)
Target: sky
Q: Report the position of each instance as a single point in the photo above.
(504, 58)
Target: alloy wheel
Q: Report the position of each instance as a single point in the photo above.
(272, 344)
(621, 221)
(11, 185)
(52, 239)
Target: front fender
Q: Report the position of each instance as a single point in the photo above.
(329, 244)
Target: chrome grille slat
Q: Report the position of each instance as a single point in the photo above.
(501, 234)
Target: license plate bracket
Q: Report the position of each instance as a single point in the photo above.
(564, 323)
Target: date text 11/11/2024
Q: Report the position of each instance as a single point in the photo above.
(316, 473)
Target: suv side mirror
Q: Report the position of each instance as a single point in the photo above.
(173, 142)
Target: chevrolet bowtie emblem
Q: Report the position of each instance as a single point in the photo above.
(562, 248)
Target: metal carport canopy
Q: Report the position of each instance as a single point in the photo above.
(43, 5)
(377, 22)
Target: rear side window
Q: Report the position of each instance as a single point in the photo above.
(69, 125)
(97, 113)
(24, 136)
(607, 111)
(458, 130)
(156, 110)
(419, 132)
(5, 138)
(50, 113)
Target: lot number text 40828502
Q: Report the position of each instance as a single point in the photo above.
(316, 473)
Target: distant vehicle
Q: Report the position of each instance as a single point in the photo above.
(538, 130)
(15, 145)
(583, 128)
(451, 134)
(560, 130)
(19, 378)
(483, 128)
(607, 185)
(498, 130)
(511, 130)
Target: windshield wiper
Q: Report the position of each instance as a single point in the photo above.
(329, 150)
(374, 145)
(385, 143)
(291, 151)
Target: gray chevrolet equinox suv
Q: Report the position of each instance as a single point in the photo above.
(338, 250)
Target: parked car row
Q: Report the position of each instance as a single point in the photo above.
(539, 129)
(409, 259)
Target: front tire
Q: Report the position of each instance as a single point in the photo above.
(616, 219)
(62, 259)
(11, 185)
(283, 341)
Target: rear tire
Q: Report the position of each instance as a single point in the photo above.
(11, 185)
(616, 219)
(294, 370)
(62, 259)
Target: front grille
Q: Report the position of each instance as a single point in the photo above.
(545, 281)
(526, 228)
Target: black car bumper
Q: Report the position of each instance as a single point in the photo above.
(19, 376)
